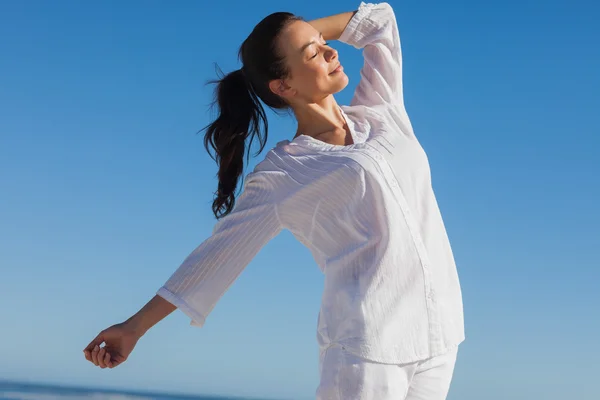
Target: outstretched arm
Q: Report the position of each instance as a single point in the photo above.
(120, 339)
(208, 272)
(152, 313)
(204, 276)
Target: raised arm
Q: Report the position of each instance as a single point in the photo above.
(332, 27)
(374, 29)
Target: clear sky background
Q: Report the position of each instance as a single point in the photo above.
(105, 188)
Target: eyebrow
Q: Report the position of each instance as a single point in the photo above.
(309, 43)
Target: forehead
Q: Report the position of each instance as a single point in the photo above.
(296, 35)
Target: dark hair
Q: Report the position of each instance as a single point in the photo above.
(241, 114)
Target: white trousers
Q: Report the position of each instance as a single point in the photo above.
(345, 376)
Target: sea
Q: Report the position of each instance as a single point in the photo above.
(29, 391)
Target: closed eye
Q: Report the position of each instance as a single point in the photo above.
(317, 53)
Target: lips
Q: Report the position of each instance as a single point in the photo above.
(338, 68)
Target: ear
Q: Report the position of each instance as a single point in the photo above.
(282, 89)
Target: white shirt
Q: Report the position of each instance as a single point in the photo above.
(366, 211)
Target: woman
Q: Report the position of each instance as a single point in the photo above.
(353, 186)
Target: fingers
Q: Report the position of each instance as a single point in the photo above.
(102, 357)
(96, 342)
(95, 354)
(99, 356)
(88, 355)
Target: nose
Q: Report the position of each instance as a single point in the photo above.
(330, 54)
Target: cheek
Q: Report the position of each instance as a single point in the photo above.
(314, 79)
(310, 78)
(323, 71)
(322, 78)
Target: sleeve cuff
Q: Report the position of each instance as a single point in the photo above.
(352, 34)
(197, 319)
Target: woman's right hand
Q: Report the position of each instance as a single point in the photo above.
(119, 341)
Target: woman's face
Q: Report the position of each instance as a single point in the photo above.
(315, 69)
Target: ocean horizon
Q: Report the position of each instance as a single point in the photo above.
(13, 390)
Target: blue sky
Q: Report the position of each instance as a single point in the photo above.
(106, 188)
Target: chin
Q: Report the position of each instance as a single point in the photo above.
(341, 83)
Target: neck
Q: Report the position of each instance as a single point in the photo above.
(317, 118)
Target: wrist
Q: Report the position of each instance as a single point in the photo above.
(149, 315)
(135, 325)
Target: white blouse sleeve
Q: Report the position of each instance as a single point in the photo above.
(207, 273)
(374, 29)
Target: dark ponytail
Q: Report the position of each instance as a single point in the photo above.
(241, 115)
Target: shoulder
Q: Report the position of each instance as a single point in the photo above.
(365, 118)
(268, 176)
(269, 167)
